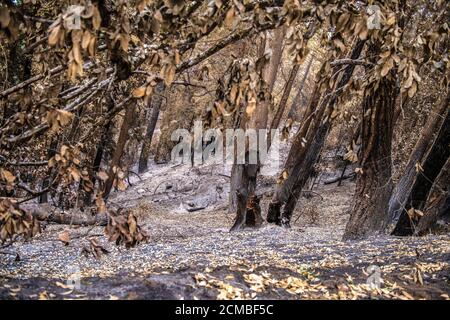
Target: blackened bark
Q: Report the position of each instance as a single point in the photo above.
(118, 152)
(43, 198)
(284, 98)
(437, 208)
(431, 167)
(374, 185)
(303, 171)
(306, 148)
(404, 187)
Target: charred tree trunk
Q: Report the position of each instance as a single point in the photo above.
(99, 151)
(437, 208)
(406, 182)
(284, 98)
(296, 156)
(243, 201)
(302, 172)
(303, 155)
(155, 103)
(374, 184)
(423, 182)
(296, 102)
(43, 198)
(117, 155)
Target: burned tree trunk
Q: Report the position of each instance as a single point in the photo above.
(284, 98)
(117, 155)
(297, 154)
(296, 102)
(302, 172)
(406, 182)
(437, 208)
(99, 150)
(306, 148)
(155, 104)
(243, 201)
(374, 183)
(423, 182)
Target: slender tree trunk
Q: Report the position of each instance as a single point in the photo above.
(403, 189)
(423, 182)
(99, 151)
(43, 198)
(118, 152)
(178, 114)
(271, 72)
(296, 102)
(296, 155)
(374, 185)
(437, 208)
(306, 147)
(155, 103)
(284, 98)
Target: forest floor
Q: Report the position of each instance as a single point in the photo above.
(192, 255)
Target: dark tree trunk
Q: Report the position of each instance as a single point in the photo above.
(296, 157)
(43, 198)
(284, 98)
(302, 172)
(296, 102)
(403, 189)
(431, 167)
(243, 201)
(303, 155)
(374, 185)
(118, 152)
(155, 104)
(99, 151)
(437, 208)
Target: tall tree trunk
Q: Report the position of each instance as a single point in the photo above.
(423, 182)
(284, 98)
(100, 149)
(51, 151)
(155, 104)
(243, 201)
(297, 154)
(276, 46)
(118, 152)
(374, 184)
(403, 189)
(306, 147)
(437, 208)
(302, 172)
(296, 102)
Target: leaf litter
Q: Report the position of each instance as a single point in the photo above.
(192, 255)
